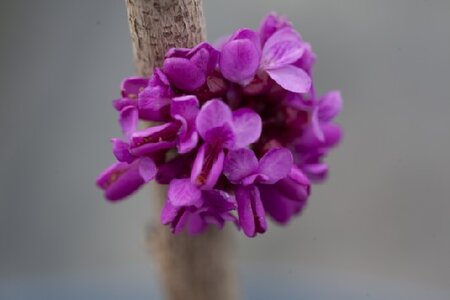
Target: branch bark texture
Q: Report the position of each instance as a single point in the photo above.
(191, 267)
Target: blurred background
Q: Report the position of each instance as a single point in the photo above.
(378, 229)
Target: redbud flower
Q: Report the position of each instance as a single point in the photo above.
(238, 133)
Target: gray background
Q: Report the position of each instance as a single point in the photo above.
(383, 214)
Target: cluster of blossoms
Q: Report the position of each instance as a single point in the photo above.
(237, 127)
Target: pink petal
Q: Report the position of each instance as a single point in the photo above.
(275, 165)
(250, 210)
(240, 164)
(147, 168)
(330, 106)
(132, 86)
(239, 61)
(213, 113)
(183, 73)
(185, 106)
(207, 167)
(283, 48)
(121, 150)
(291, 78)
(120, 180)
(183, 193)
(271, 24)
(128, 120)
(153, 103)
(247, 126)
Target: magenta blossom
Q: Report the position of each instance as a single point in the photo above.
(154, 100)
(130, 89)
(187, 69)
(179, 132)
(238, 133)
(221, 129)
(242, 57)
(122, 179)
(243, 169)
(214, 207)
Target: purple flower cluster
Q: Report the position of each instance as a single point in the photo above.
(237, 127)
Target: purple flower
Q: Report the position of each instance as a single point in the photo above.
(243, 169)
(239, 128)
(242, 56)
(188, 206)
(320, 134)
(154, 100)
(179, 132)
(187, 69)
(122, 179)
(271, 24)
(221, 129)
(287, 197)
(130, 89)
(279, 54)
(128, 120)
(310, 150)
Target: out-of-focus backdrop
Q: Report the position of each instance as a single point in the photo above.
(379, 228)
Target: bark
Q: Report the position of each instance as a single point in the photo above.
(191, 267)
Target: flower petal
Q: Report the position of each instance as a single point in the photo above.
(218, 200)
(120, 180)
(332, 136)
(120, 103)
(279, 207)
(282, 48)
(153, 104)
(132, 86)
(316, 172)
(271, 24)
(308, 59)
(185, 109)
(183, 193)
(128, 120)
(196, 224)
(239, 61)
(175, 216)
(121, 150)
(147, 168)
(247, 34)
(291, 78)
(172, 169)
(316, 127)
(185, 106)
(330, 106)
(154, 138)
(295, 187)
(221, 137)
(214, 113)
(240, 164)
(207, 167)
(275, 165)
(250, 210)
(183, 73)
(247, 127)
